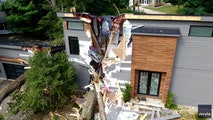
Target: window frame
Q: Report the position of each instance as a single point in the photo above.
(72, 52)
(190, 29)
(149, 83)
(13, 71)
(81, 29)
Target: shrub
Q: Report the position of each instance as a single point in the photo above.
(126, 95)
(170, 101)
(197, 118)
(1, 117)
(49, 83)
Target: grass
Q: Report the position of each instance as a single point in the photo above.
(166, 9)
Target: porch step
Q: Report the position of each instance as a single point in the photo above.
(150, 103)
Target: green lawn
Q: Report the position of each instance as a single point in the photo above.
(165, 9)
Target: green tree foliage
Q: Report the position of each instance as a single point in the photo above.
(126, 95)
(100, 7)
(197, 7)
(35, 18)
(23, 15)
(175, 2)
(123, 3)
(38, 18)
(170, 101)
(49, 83)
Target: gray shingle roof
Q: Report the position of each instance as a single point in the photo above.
(156, 30)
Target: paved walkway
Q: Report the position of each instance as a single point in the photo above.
(148, 11)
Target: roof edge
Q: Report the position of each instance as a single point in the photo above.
(163, 17)
(148, 16)
(152, 34)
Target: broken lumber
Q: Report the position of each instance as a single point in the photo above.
(16, 60)
(107, 49)
(4, 92)
(94, 40)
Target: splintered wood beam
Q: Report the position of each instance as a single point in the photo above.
(16, 60)
(94, 39)
(107, 50)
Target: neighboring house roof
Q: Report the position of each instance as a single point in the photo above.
(15, 42)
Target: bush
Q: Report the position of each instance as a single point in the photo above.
(170, 101)
(197, 118)
(1, 117)
(49, 83)
(126, 95)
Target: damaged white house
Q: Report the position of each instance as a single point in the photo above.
(154, 53)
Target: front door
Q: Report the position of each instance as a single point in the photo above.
(149, 83)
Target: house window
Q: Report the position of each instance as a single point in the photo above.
(149, 83)
(157, 1)
(13, 71)
(201, 31)
(144, 2)
(75, 25)
(74, 45)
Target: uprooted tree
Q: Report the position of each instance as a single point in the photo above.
(49, 83)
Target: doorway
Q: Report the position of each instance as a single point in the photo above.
(149, 83)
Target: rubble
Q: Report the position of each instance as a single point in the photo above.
(110, 44)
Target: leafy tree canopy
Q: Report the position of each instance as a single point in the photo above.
(174, 2)
(100, 7)
(49, 83)
(38, 17)
(23, 16)
(197, 7)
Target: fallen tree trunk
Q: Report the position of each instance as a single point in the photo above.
(88, 106)
(4, 92)
(101, 106)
